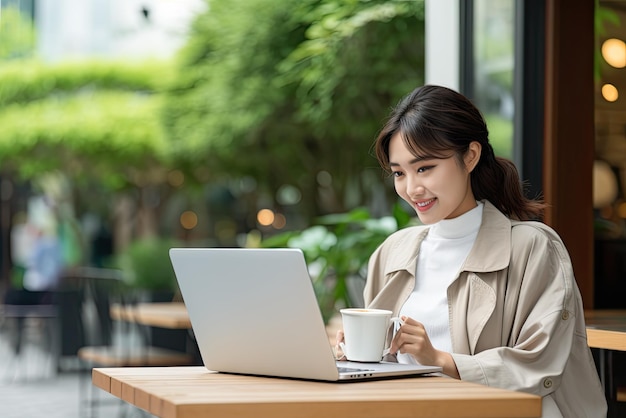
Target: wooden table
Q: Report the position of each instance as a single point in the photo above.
(606, 332)
(606, 329)
(169, 315)
(164, 314)
(194, 392)
(174, 315)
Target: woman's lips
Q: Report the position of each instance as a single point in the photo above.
(424, 205)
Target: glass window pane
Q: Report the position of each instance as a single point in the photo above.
(494, 30)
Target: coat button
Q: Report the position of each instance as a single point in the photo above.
(547, 383)
(565, 315)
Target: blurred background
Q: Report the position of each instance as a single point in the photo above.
(128, 127)
(208, 123)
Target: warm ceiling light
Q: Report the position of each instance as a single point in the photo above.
(609, 92)
(614, 52)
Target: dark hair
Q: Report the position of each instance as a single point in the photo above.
(438, 122)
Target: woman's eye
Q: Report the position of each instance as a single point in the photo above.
(396, 174)
(425, 168)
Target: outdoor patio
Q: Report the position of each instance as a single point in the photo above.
(31, 388)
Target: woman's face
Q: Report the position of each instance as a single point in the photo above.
(436, 188)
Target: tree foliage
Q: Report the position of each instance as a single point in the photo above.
(17, 34)
(24, 81)
(276, 90)
(284, 90)
(88, 119)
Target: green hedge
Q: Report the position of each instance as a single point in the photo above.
(87, 118)
(109, 135)
(23, 81)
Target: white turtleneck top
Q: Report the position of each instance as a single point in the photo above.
(440, 258)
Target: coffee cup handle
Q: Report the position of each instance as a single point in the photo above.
(342, 345)
(397, 321)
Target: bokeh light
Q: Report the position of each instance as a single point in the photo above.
(175, 178)
(189, 220)
(614, 52)
(610, 93)
(324, 179)
(279, 221)
(621, 210)
(288, 195)
(265, 217)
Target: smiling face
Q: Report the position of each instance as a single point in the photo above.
(437, 188)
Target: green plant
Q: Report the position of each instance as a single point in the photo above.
(259, 84)
(337, 249)
(17, 33)
(30, 80)
(500, 134)
(93, 120)
(603, 16)
(146, 264)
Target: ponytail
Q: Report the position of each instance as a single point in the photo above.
(497, 180)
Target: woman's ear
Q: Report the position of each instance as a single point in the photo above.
(472, 156)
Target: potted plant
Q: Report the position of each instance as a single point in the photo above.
(147, 268)
(149, 273)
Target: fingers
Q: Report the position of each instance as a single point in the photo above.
(410, 327)
(410, 321)
(339, 338)
(397, 340)
(411, 337)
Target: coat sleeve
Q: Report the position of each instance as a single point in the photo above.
(539, 319)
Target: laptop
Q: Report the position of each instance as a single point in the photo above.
(254, 312)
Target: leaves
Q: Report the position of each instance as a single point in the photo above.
(316, 65)
(88, 119)
(337, 248)
(147, 266)
(284, 93)
(17, 33)
(25, 81)
(602, 16)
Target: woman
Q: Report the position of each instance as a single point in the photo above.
(484, 291)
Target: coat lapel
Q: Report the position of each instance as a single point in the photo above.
(481, 304)
(472, 297)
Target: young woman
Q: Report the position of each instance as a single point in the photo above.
(485, 291)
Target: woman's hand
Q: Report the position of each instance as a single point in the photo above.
(339, 338)
(411, 338)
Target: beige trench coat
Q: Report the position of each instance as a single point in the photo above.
(515, 311)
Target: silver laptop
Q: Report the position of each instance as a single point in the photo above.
(254, 311)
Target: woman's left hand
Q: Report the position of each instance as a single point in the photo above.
(412, 338)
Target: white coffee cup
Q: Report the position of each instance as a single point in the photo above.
(365, 332)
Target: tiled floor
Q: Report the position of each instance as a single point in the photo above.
(30, 387)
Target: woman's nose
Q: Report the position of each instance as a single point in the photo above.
(414, 187)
